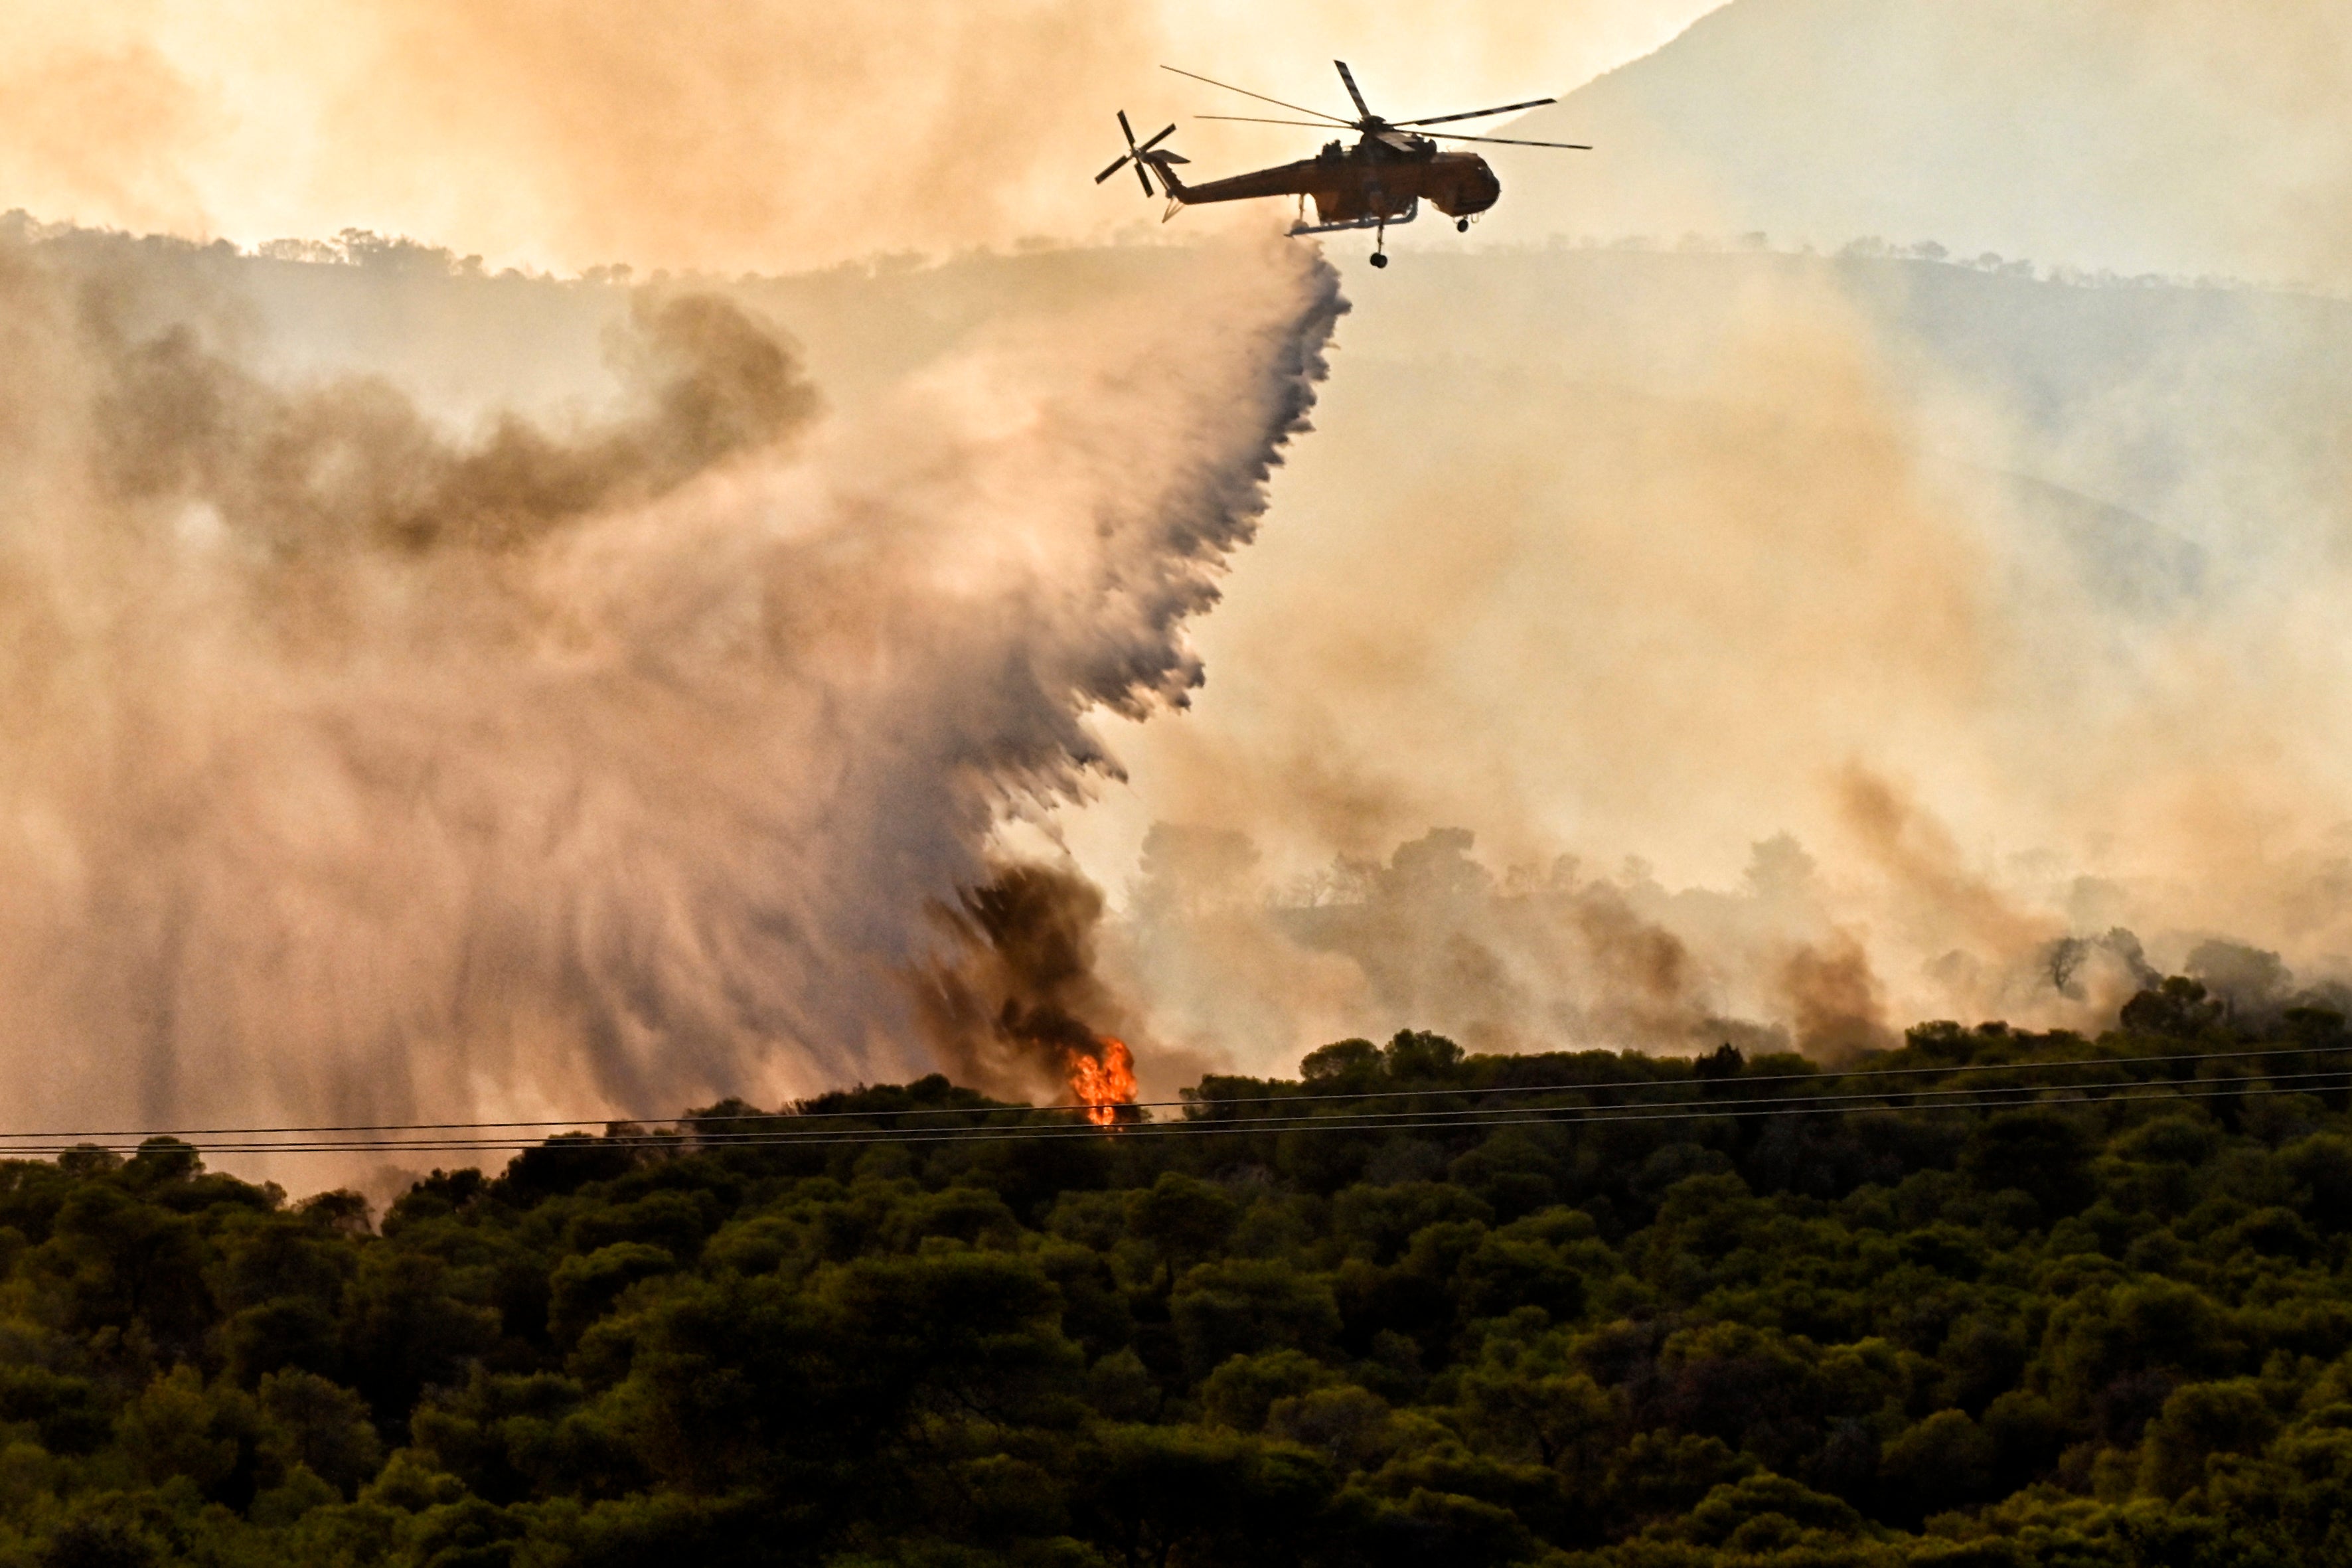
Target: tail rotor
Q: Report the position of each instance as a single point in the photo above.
(1141, 155)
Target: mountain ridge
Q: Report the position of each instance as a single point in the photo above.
(2090, 133)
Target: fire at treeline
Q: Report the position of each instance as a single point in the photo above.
(1990, 1296)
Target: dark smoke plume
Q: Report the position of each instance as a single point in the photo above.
(356, 465)
(1020, 1003)
(1835, 1003)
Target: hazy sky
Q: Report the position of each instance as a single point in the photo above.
(752, 135)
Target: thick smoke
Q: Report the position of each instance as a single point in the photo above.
(356, 468)
(1943, 643)
(1889, 640)
(1018, 1001)
(360, 769)
(754, 134)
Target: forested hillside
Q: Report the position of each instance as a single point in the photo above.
(1995, 1298)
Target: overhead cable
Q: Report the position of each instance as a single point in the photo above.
(1271, 1096)
(2192, 1090)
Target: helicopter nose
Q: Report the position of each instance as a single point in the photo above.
(1481, 190)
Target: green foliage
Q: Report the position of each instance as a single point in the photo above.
(2108, 1329)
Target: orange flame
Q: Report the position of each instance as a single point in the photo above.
(1103, 1083)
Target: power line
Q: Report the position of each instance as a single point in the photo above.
(1490, 1116)
(8, 1139)
(2190, 1091)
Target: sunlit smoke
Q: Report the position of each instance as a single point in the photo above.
(757, 135)
(1812, 645)
(361, 767)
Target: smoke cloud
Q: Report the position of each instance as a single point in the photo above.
(1813, 647)
(754, 135)
(1019, 1002)
(1660, 649)
(361, 766)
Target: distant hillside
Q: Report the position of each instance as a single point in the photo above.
(2213, 411)
(2097, 133)
(2211, 414)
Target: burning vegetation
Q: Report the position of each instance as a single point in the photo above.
(1104, 1082)
(1019, 1008)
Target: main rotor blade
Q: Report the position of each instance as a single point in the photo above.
(1156, 141)
(1262, 97)
(1348, 77)
(1254, 120)
(1507, 141)
(1475, 113)
(1114, 169)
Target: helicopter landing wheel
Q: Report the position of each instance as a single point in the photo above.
(1379, 260)
(1461, 226)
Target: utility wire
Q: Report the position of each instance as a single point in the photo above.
(2194, 1090)
(1486, 1116)
(1266, 1098)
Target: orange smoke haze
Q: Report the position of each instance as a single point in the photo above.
(480, 687)
(360, 765)
(1813, 646)
(757, 134)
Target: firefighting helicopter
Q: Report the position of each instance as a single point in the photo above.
(1381, 180)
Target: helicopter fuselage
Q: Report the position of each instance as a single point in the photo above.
(1381, 177)
(1383, 180)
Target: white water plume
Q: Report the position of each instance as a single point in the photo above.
(357, 769)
